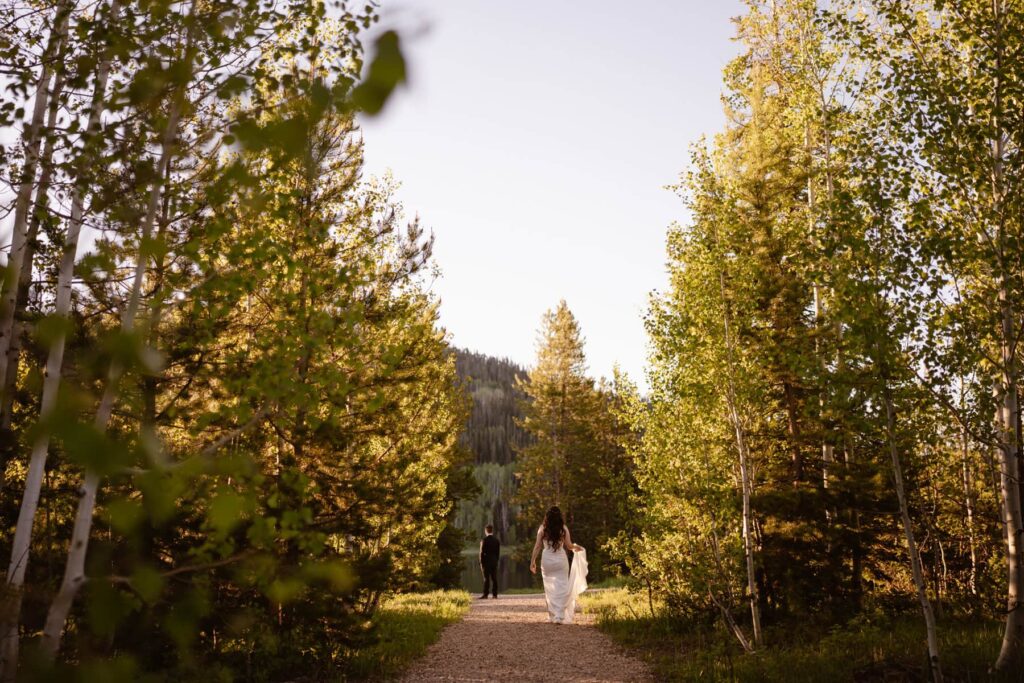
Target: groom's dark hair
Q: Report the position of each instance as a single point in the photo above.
(489, 528)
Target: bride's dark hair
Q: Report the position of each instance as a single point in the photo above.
(554, 527)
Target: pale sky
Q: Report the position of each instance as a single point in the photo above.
(535, 138)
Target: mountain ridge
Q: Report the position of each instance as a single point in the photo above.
(492, 434)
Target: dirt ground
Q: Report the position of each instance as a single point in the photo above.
(508, 639)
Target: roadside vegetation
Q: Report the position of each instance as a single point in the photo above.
(879, 645)
(405, 626)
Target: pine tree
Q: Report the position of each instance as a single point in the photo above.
(559, 401)
(577, 458)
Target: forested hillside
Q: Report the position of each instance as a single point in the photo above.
(492, 432)
(493, 435)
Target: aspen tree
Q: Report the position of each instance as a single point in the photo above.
(50, 63)
(22, 541)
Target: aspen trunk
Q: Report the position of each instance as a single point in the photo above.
(745, 477)
(827, 453)
(748, 544)
(827, 449)
(1011, 653)
(23, 199)
(828, 456)
(972, 582)
(10, 381)
(22, 542)
(74, 570)
(908, 533)
(727, 617)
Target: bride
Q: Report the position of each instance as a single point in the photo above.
(561, 586)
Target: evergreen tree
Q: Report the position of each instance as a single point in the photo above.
(559, 399)
(576, 460)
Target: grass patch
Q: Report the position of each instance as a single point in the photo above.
(406, 625)
(609, 582)
(474, 551)
(879, 648)
(604, 584)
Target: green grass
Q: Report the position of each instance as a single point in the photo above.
(881, 648)
(406, 626)
(475, 550)
(611, 582)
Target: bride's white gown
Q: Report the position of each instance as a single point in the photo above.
(560, 585)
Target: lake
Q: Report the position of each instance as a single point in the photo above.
(512, 573)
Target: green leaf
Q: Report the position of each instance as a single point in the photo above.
(335, 573)
(226, 511)
(386, 72)
(52, 328)
(125, 515)
(283, 591)
(147, 582)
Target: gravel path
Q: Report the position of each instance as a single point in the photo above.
(508, 639)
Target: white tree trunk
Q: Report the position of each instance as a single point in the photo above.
(10, 381)
(730, 623)
(965, 465)
(22, 542)
(1011, 654)
(74, 569)
(746, 484)
(908, 533)
(827, 449)
(23, 201)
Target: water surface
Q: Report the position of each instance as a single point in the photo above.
(513, 572)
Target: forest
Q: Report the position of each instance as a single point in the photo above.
(230, 417)
(832, 432)
(493, 434)
(235, 434)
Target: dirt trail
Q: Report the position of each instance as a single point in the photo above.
(508, 639)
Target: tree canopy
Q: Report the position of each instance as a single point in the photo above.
(232, 424)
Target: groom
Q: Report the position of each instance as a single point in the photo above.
(490, 551)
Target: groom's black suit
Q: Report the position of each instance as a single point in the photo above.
(490, 552)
